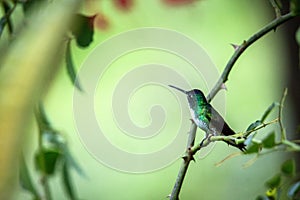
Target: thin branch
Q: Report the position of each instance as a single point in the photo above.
(260, 127)
(282, 130)
(224, 77)
(237, 138)
(238, 52)
(275, 5)
(186, 161)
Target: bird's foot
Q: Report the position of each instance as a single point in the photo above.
(207, 137)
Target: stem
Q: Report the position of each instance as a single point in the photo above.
(6, 18)
(42, 159)
(238, 52)
(282, 130)
(223, 78)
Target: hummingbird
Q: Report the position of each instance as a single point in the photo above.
(206, 117)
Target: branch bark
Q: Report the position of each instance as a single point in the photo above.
(223, 78)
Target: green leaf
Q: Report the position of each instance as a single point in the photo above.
(254, 125)
(288, 168)
(294, 190)
(72, 162)
(254, 147)
(269, 141)
(83, 30)
(71, 68)
(268, 111)
(46, 161)
(25, 179)
(31, 5)
(274, 181)
(42, 118)
(67, 182)
(295, 7)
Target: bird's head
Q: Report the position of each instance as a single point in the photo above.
(193, 96)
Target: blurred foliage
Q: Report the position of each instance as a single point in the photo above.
(283, 184)
(53, 158)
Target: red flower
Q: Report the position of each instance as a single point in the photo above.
(123, 4)
(178, 2)
(101, 21)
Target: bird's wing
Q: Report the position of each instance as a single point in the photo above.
(217, 122)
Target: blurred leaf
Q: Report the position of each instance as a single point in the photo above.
(248, 141)
(67, 182)
(294, 190)
(262, 198)
(269, 141)
(271, 193)
(46, 161)
(274, 181)
(295, 6)
(253, 148)
(268, 111)
(288, 168)
(72, 162)
(83, 30)
(30, 5)
(254, 125)
(25, 179)
(298, 36)
(42, 118)
(71, 68)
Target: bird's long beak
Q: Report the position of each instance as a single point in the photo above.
(181, 90)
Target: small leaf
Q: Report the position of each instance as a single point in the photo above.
(268, 111)
(253, 148)
(254, 125)
(269, 141)
(83, 29)
(71, 68)
(46, 161)
(271, 193)
(67, 182)
(274, 181)
(294, 190)
(25, 179)
(288, 168)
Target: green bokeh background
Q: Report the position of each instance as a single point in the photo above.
(254, 83)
